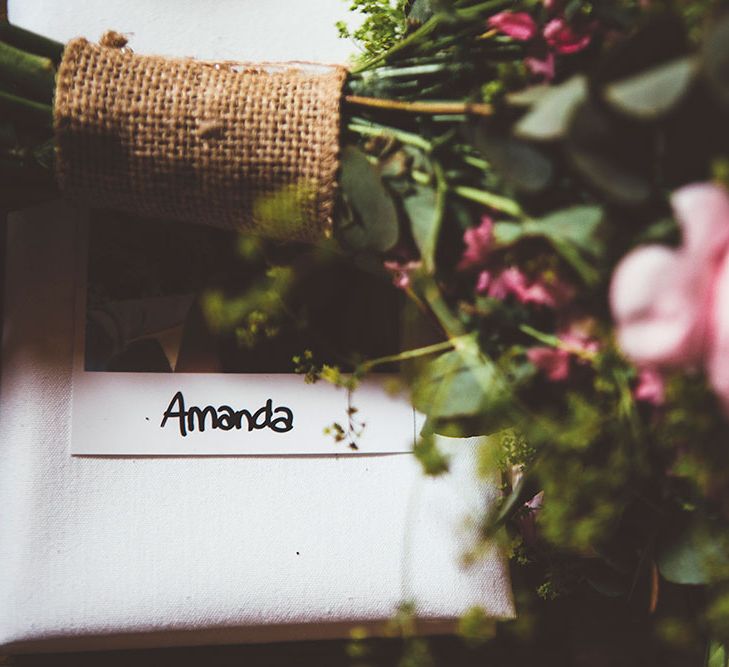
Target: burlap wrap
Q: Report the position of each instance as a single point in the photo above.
(249, 147)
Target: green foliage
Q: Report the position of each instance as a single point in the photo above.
(514, 450)
(550, 114)
(434, 462)
(424, 209)
(682, 559)
(372, 222)
(575, 233)
(384, 23)
(475, 626)
(652, 94)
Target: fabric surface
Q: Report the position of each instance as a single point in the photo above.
(109, 552)
(239, 146)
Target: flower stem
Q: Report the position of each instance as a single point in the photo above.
(33, 74)
(372, 130)
(23, 111)
(496, 202)
(444, 108)
(409, 354)
(30, 42)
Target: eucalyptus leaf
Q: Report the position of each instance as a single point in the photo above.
(421, 10)
(682, 558)
(374, 223)
(460, 383)
(614, 157)
(528, 96)
(549, 117)
(575, 233)
(519, 163)
(425, 211)
(605, 580)
(655, 92)
(717, 655)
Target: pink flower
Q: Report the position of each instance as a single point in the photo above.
(650, 387)
(401, 272)
(513, 281)
(543, 68)
(671, 307)
(565, 39)
(517, 25)
(483, 282)
(554, 362)
(478, 242)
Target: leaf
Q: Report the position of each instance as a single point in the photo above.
(426, 450)
(654, 92)
(425, 211)
(658, 41)
(614, 157)
(717, 654)
(573, 232)
(682, 558)
(528, 96)
(421, 10)
(374, 223)
(518, 163)
(549, 118)
(460, 383)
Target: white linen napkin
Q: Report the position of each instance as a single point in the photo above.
(110, 552)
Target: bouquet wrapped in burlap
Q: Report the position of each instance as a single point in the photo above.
(219, 144)
(253, 147)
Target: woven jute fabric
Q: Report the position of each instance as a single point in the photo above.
(238, 146)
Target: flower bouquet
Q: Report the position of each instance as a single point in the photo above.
(545, 181)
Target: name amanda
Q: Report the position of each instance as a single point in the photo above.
(226, 418)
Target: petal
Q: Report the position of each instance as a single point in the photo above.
(565, 39)
(702, 211)
(517, 25)
(717, 363)
(658, 306)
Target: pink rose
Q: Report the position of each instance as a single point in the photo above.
(564, 38)
(671, 307)
(517, 25)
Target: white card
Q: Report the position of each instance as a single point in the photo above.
(130, 411)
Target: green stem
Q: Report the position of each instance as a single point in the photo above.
(473, 12)
(429, 107)
(31, 42)
(372, 130)
(399, 72)
(23, 111)
(451, 325)
(496, 202)
(547, 339)
(33, 74)
(409, 354)
(476, 162)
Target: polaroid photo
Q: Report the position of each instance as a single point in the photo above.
(184, 347)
